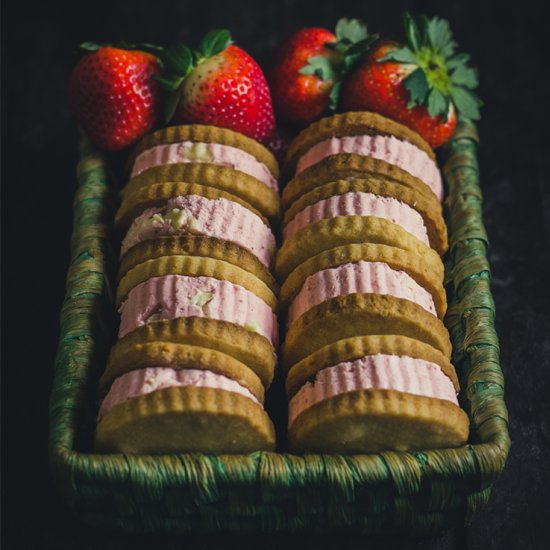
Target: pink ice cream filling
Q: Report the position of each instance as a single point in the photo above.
(403, 154)
(360, 204)
(364, 277)
(213, 153)
(196, 215)
(380, 371)
(175, 296)
(147, 380)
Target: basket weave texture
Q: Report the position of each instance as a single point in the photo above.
(417, 492)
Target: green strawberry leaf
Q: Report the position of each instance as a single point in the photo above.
(402, 55)
(320, 66)
(90, 46)
(438, 104)
(362, 46)
(169, 83)
(178, 60)
(412, 32)
(465, 76)
(215, 42)
(171, 104)
(457, 60)
(466, 102)
(352, 30)
(440, 36)
(334, 97)
(417, 86)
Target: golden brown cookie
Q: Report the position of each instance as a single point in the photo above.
(196, 245)
(251, 190)
(186, 419)
(194, 266)
(209, 134)
(343, 230)
(350, 166)
(396, 258)
(250, 348)
(359, 315)
(179, 357)
(371, 421)
(352, 123)
(135, 203)
(350, 349)
(427, 206)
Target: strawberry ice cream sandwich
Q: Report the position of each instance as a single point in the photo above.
(393, 151)
(211, 156)
(211, 217)
(373, 393)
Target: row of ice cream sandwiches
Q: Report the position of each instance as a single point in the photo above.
(198, 334)
(366, 353)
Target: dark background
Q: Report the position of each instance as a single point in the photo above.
(39, 154)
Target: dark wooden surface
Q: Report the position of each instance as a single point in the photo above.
(39, 46)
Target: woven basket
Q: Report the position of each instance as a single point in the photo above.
(418, 492)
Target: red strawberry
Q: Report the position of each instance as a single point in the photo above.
(113, 95)
(308, 66)
(219, 84)
(423, 84)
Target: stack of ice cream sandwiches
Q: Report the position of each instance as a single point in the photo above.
(366, 354)
(197, 300)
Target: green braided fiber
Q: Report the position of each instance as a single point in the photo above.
(419, 492)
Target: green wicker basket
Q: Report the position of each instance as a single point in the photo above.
(418, 492)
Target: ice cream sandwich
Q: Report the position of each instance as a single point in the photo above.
(367, 135)
(210, 156)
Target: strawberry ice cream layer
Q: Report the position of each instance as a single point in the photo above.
(365, 277)
(360, 204)
(213, 153)
(196, 215)
(150, 379)
(403, 154)
(381, 372)
(174, 296)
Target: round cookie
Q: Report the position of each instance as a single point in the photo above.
(358, 315)
(186, 419)
(343, 230)
(195, 245)
(250, 348)
(372, 420)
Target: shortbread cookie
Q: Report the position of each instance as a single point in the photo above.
(395, 258)
(196, 215)
(366, 134)
(194, 266)
(359, 315)
(186, 418)
(372, 196)
(375, 420)
(248, 347)
(195, 245)
(350, 349)
(343, 230)
(179, 357)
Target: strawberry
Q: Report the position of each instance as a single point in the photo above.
(423, 84)
(308, 67)
(113, 95)
(218, 84)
